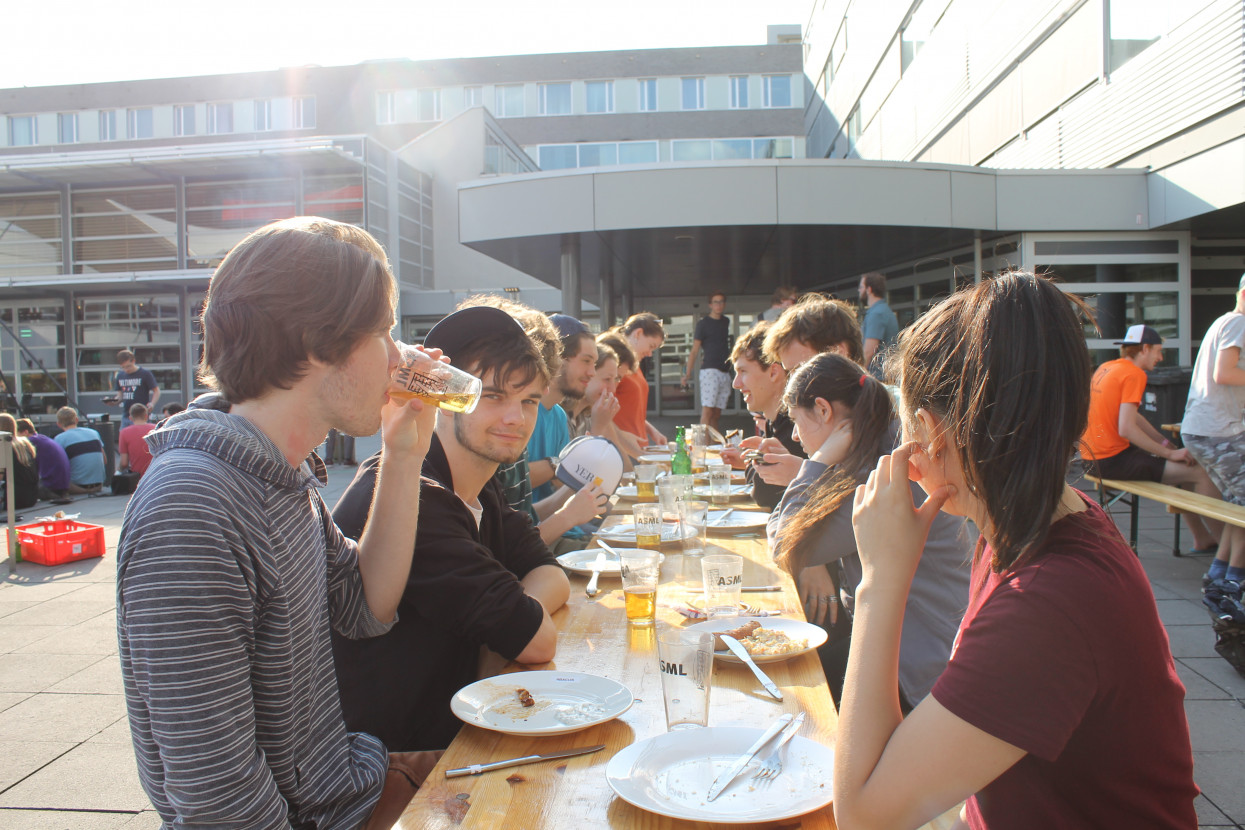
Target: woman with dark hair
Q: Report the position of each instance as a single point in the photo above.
(1060, 706)
(844, 421)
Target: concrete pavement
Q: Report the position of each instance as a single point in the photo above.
(62, 713)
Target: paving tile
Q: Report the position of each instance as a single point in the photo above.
(1189, 589)
(23, 757)
(60, 611)
(1220, 672)
(1215, 726)
(104, 678)
(12, 606)
(97, 635)
(1192, 640)
(118, 733)
(73, 781)
(1198, 687)
(1162, 592)
(37, 672)
(61, 717)
(1182, 612)
(17, 588)
(8, 699)
(64, 820)
(14, 637)
(98, 592)
(1219, 775)
(146, 820)
(1208, 815)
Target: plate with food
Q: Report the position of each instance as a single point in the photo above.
(670, 774)
(581, 561)
(766, 642)
(625, 532)
(537, 703)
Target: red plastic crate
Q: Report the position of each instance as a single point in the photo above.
(59, 541)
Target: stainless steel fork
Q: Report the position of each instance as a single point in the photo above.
(771, 767)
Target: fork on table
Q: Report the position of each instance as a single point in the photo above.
(771, 767)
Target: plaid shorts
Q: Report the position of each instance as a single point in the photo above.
(1223, 458)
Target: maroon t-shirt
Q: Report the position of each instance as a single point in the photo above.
(1066, 659)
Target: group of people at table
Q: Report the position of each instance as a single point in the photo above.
(291, 665)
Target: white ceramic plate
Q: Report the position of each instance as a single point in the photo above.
(626, 491)
(656, 458)
(670, 775)
(737, 490)
(625, 532)
(565, 702)
(737, 520)
(580, 561)
(795, 629)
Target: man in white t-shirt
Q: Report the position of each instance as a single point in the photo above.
(1214, 433)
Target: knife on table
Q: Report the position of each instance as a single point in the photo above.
(720, 783)
(476, 769)
(737, 649)
(591, 589)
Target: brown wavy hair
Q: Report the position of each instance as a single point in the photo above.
(837, 380)
(818, 323)
(618, 344)
(1004, 366)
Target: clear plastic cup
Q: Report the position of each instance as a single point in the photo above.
(723, 575)
(646, 482)
(641, 570)
(693, 518)
(647, 518)
(434, 381)
(685, 662)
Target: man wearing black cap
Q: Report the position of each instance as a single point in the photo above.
(481, 574)
(1119, 443)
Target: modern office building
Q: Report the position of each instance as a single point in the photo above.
(118, 199)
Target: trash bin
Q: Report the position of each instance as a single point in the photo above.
(108, 434)
(1167, 390)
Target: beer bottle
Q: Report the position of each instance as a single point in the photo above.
(681, 463)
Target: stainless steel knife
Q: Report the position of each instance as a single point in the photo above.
(476, 769)
(720, 783)
(597, 565)
(737, 649)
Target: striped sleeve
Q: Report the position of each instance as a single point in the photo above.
(186, 617)
(349, 612)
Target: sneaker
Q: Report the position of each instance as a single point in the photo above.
(1222, 597)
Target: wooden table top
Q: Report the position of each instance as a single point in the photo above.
(594, 638)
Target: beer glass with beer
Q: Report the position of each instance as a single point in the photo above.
(645, 482)
(433, 381)
(641, 570)
(647, 518)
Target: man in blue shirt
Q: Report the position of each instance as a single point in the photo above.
(881, 326)
(134, 384)
(85, 450)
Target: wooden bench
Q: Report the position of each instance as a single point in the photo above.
(1178, 502)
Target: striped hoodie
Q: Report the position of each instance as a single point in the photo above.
(230, 573)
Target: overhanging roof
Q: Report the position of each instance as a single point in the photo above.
(744, 227)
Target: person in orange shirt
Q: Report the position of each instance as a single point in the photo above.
(1119, 443)
(644, 334)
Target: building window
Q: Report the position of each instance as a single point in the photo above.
(473, 96)
(727, 149)
(853, 128)
(67, 127)
(558, 157)
(693, 93)
(773, 148)
(220, 118)
(429, 104)
(184, 119)
(107, 125)
(263, 116)
(1135, 25)
(22, 130)
(598, 155)
(555, 99)
(600, 96)
(917, 29)
(138, 123)
(385, 107)
(508, 101)
(776, 91)
(305, 112)
(739, 92)
(648, 94)
(637, 152)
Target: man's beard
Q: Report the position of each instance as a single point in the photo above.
(494, 456)
(569, 394)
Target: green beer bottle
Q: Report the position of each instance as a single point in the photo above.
(681, 463)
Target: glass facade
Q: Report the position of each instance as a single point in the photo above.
(693, 93)
(31, 243)
(555, 99)
(22, 130)
(739, 92)
(124, 229)
(648, 94)
(67, 127)
(776, 91)
(32, 356)
(600, 96)
(149, 326)
(508, 101)
(595, 154)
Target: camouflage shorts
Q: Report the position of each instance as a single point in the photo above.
(1223, 458)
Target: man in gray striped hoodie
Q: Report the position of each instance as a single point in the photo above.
(230, 569)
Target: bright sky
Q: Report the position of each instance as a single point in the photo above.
(83, 41)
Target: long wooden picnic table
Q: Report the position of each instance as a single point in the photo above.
(594, 638)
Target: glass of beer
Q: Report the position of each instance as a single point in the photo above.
(433, 381)
(646, 482)
(647, 519)
(641, 570)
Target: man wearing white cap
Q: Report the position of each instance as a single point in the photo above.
(1121, 444)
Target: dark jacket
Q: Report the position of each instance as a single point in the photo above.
(782, 427)
(463, 592)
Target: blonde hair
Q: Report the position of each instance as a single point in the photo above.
(22, 448)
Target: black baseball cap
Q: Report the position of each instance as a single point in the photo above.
(453, 332)
(1140, 335)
